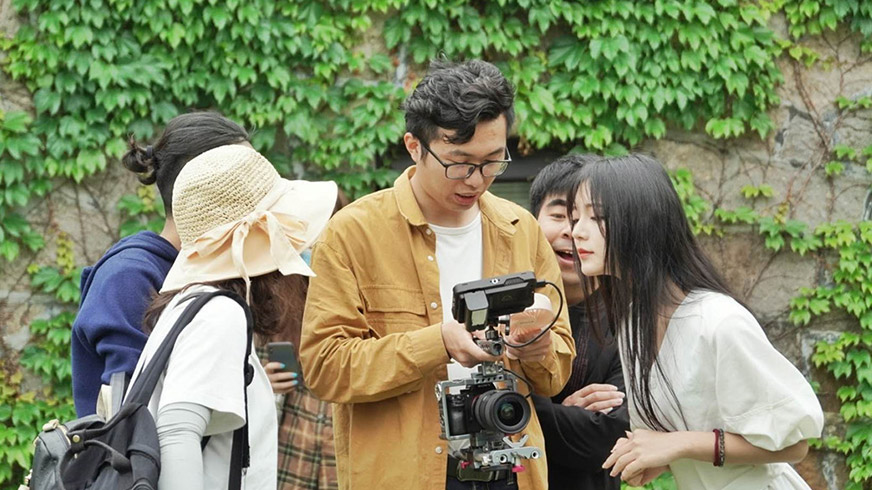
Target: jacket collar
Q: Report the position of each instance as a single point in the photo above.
(406, 201)
(492, 208)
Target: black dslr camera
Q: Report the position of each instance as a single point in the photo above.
(488, 407)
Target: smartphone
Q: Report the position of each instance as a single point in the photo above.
(284, 353)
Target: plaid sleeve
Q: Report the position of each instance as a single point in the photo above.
(306, 456)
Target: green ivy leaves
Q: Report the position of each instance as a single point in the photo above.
(816, 16)
(604, 76)
(628, 69)
(319, 92)
(100, 72)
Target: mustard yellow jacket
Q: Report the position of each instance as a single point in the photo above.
(372, 341)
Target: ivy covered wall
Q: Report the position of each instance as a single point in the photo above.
(762, 109)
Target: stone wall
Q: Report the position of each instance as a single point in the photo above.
(789, 159)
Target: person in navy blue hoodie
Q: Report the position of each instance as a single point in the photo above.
(107, 335)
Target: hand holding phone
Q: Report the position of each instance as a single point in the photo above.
(289, 376)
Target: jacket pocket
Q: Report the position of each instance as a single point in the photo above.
(391, 309)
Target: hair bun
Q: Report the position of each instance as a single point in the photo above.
(140, 161)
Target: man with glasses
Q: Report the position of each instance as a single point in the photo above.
(378, 333)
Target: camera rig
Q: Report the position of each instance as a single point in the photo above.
(488, 408)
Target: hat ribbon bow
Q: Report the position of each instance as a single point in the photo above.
(283, 230)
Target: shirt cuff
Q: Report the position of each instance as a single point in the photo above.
(428, 349)
(547, 365)
(550, 363)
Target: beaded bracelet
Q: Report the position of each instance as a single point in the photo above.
(719, 452)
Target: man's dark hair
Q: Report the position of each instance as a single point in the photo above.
(458, 96)
(555, 179)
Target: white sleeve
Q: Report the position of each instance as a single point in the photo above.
(760, 394)
(206, 365)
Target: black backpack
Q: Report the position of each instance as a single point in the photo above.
(123, 453)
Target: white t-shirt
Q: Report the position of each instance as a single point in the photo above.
(205, 367)
(726, 375)
(459, 257)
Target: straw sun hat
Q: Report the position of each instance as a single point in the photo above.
(238, 219)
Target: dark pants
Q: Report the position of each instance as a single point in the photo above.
(506, 484)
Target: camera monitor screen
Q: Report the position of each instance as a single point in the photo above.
(476, 303)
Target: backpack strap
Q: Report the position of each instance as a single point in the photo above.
(118, 383)
(205, 440)
(240, 456)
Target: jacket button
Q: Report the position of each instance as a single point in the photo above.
(434, 305)
(438, 449)
(430, 258)
(428, 231)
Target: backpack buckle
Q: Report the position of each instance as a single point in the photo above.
(249, 373)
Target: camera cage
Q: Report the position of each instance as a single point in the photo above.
(488, 373)
(488, 450)
(484, 304)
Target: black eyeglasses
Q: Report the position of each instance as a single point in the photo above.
(463, 171)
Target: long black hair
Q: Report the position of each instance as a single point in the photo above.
(185, 137)
(649, 252)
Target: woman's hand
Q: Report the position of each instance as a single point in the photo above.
(643, 454)
(640, 455)
(280, 380)
(646, 476)
(596, 398)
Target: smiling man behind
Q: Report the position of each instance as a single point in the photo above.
(378, 333)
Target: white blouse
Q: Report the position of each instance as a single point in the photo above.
(725, 374)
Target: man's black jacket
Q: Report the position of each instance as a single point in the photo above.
(578, 441)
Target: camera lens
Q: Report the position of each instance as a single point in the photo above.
(509, 413)
(502, 411)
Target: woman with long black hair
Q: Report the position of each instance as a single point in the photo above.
(709, 397)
